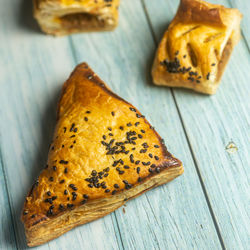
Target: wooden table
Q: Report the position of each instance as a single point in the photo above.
(206, 208)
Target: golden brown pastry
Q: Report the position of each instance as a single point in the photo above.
(104, 152)
(63, 17)
(196, 47)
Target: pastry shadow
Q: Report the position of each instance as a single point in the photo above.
(25, 19)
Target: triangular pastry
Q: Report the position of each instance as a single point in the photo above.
(63, 17)
(104, 152)
(196, 47)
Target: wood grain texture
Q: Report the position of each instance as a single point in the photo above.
(244, 7)
(7, 233)
(174, 216)
(33, 68)
(213, 125)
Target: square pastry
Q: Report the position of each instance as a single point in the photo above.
(63, 17)
(196, 47)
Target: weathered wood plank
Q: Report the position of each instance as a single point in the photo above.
(7, 233)
(244, 7)
(174, 216)
(211, 124)
(32, 68)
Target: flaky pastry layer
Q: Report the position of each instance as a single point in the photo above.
(63, 17)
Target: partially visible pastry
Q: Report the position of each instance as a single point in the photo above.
(63, 17)
(196, 47)
(104, 152)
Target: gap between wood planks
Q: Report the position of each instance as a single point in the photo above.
(187, 138)
(8, 197)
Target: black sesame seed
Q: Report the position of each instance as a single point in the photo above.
(70, 205)
(71, 146)
(83, 201)
(177, 52)
(138, 170)
(64, 129)
(121, 127)
(65, 192)
(88, 112)
(150, 155)
(62, 181)
(128, 186)
(126, 167)
(73, 186)
(114, 192)
(54, 198)
(140, 136)
(106, 175)
(63, 162)
(116, 186)
(104, 137)
(62, 146)
(72, 136)
(90, 185)
(25, 212)
(54, 168)
(51, 178)
(49, 193)
(110, 134)
(129, 124)
(143, 131)
(113, 113)
(61, 207)
(139, 179)
(72, 127)
(125, 182)
(137, 162)
(156, 146)
(107, 191)
(33, 216)
(75, 130)
(150, 170)
(157, 170)
(156, 157)
(208, 75)
(86, 119)
(109, 128)
(153, 166)
(106, 169)
(137, 123)
(85, 196)
(66, 170)
(131, 158)
(94, 173)
(213, 64)
(138, 116)
(146, 163)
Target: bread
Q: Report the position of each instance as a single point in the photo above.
(104, 152)
(196, 47)
(63, 17)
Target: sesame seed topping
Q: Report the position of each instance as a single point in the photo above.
(116, 186)
(49, 193)
(54, 168)
(156, 157)
(65, 191)
(114, 192)
(63, 162)
(85, 196)
(62, 181)
(143, 131)
(113, 113)
(138, 170)
(66, 170)
(51, 178)
(107, 191)
(88, 112)
(156, 146)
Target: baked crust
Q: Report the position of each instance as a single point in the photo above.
(63, 17)
(196, 47)
(104, 152)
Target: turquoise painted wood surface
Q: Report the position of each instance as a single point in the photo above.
(206, 208)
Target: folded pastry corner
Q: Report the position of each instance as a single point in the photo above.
(63, 17)
(196, 47)
(104, 152)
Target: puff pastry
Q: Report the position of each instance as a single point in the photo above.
(63, 17)
(196, 47)
(104, 152)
